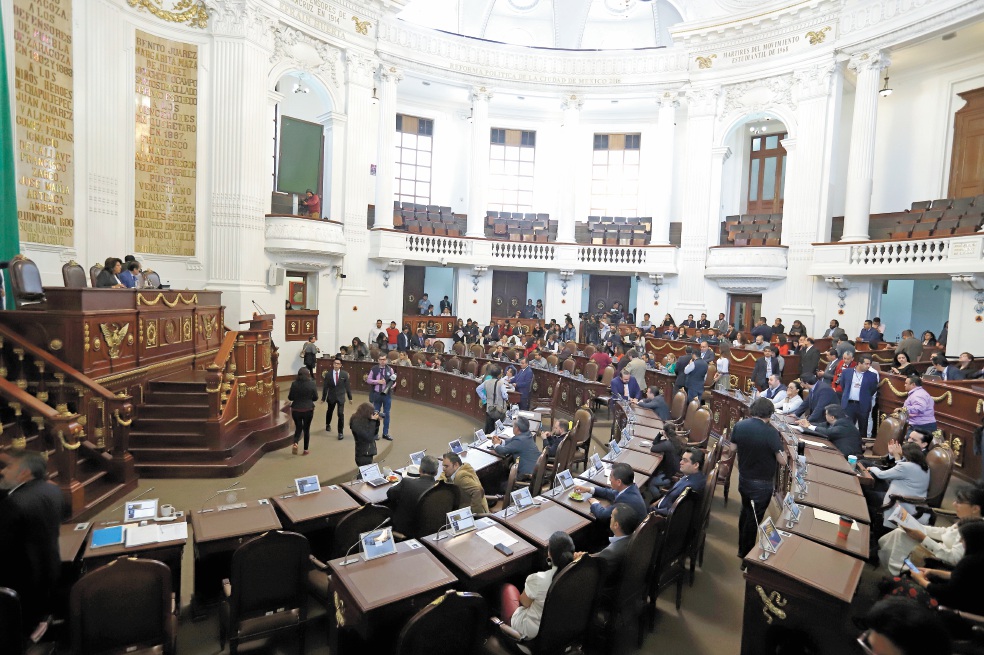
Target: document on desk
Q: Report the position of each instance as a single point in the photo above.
(830, 517)
(174, 531)
(810, 442)
(496, 536)
(141, 535)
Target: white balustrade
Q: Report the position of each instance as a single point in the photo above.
(437, 245)
(523, 251)
(923, 251)
(611, 255)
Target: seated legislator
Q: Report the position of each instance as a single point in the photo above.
(839, 430)
(521, 445)
(402, 498)
(131, 277)
(623, 523)
(671, 448)
(942, 543)
(465, 478)
(553, 437)
(625, 386)
(821, 395)
(691, 465)
(654, 401)
(522, 611)
(793, 400)
(910, 478)
(108, 278)
(624, 490)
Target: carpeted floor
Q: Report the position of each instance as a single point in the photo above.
(709, 621)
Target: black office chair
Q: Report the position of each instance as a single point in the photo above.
(432, 509)
(672, 554)
(345, 540)
(12, 638)
(267, 590)
(462, 613)
(74, 275)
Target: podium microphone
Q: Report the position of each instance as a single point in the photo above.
(348, 561)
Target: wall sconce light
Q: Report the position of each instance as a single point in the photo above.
(477, 274)
(389, 267)
(885, 91)
(656, 279)
(375, 98)
(565, 277)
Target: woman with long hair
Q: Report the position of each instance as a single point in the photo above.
(365, 428)
(523, 610)
(668, 321)
(929, 339)
(905, 367)
(302, 396)
(359, 350)
(722, 379)
(793, 399)
(908, 478)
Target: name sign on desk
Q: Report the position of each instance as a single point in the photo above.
(771, 538)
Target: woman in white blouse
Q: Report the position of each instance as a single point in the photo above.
(722, 380)
(909, 478)
(793, 399)
(942, 543)
(523, 611)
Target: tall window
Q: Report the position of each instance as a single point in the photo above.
(615, 175)
(766, 174)
(414, 145)
(511, 158)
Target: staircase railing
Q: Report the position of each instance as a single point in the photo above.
(220, 379)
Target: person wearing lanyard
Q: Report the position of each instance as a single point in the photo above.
(380, 395)
(860, 385)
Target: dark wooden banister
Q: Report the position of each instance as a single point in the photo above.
(220, 376)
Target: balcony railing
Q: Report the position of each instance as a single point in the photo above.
(925, 251)
(904, 258)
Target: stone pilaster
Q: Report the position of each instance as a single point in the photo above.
(389, 77)
(660, 192)
(478, 180)
(566, 207)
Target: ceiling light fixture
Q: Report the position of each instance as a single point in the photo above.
(301, 89)
(885, 90)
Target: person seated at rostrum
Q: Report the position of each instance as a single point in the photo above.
(402, 498)
(623, 490)
(131, 277)
(108, 277)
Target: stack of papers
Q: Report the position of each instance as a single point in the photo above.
(900, 516)
(830, 517)
(496, 536)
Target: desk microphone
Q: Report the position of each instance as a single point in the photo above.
(443, 527)
(231, 487)
(258, 308)
(348, 561)
(132, 499)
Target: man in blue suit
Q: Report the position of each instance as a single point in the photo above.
(625, 386)
(821, 395)
(624, 490)
(860, 384)
(696, 371)
(870, 334)
(691, 465)
(523, 381)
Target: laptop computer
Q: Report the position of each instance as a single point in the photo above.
(521, 499)
(480, 438)
(456, 447)
(416, 457)
(377, 543)
(461, 521)
(307, 485)
(371, 475)
(140, 510)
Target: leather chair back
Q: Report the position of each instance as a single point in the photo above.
(712, 370)
(458, 348)
(438, 346)
(702, 517)
(268, 573)
(418, 357)
(374, 352)
(891, 428)
(25, 282)
(552, 361)
(940, 461)
(589, 350)
(725, 464)
(510, 484)
(432, 508)
(606, 377)
(11, 631)
(638, 561)
(392, 356)
(692, 408)
(427, 631)
(571, 345)
(568, 365)
(94, 271)
(699, 424)
(713, 451)
(591, 371)
(74, 276)
(453, 364)
(353, 524)
(152, 280)
(565, 452)
(471, 367)
(678, 405)
(105, 620)
(583, 425)
(567, 606)
(477, 350)
(539, 472)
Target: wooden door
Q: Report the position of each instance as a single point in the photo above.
(744, 311)
(603, 290)
(766, 174)
(508, 292)
(967, 162)
(413, 289)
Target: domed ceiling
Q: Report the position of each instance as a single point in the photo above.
(565, 24)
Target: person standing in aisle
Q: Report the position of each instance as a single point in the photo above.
(758, 446)
(381, 379)
(303, 394)
(309, 352)
(336, 389)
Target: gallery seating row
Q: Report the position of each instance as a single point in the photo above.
(961, 204)
(426, 219)
(519, 226)
(620, 230)
(937, 223)
(752, 230)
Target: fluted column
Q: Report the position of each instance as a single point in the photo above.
(718, 157)
(389, 77)
(861, 163)
(661, 189)
(478, 182)
(566, 207)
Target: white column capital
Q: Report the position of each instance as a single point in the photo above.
(481, 94)
(877, 60)
(668, 100)
(702, 101)
(813, 82)
(572, 102)
(361, 68)
(789, 144)
(721, 154)
(389, 73)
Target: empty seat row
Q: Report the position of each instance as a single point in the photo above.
(962, 204)
(754, 218)
(520, 216)
(619, 220)
(420, 209)
(930, 224)
(450, 229)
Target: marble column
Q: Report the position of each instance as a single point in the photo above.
(389, 77)
(661, 190)
(479, 177)
(239, 156)
(566, 207)
(718, 157)
(861, 162)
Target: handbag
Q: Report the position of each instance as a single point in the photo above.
(493, 410)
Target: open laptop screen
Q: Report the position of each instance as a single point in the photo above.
(369, 472)
(307, 485)
(140, 510)
(416, 457)
(565, 479)
(522, 498)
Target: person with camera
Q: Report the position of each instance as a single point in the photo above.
(365, 428)
(381, 380)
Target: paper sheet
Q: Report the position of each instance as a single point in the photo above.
(496, 536)
(174, 531)
(830, 517)
(137, 535)
(900, 516)
(810, 442)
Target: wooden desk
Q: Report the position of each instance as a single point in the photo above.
(481, 458)
(582, 507)
(832, 478)
(365, 493)
(805, 588)
(640, 462)
(645, 432)
(825, 533)
(837, 501)
(307, 513)
(216, 536)
(830, 460)
(600, 479)
(477, 563)
(375, 598)
(70, 541)
(538, 523)
(168, 552)
(640, 445)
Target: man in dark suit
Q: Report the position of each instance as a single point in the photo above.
(689, 323)
(402, 498)
(809, 357)
(681, 365)
(623, 523)
(761, 328)
(404, 340)
(765, 366)
(654, 400)
(696, 371)
(706, 353)
(29, 523)
(910, 345)
(446, 304)
(623, 490)
(521, 445)
(703, 323)
(335, 390)
(490, 333)
(625, 386)
(419, 341)
(821, 395)
(870, 334)
(860, 385)
(839, 430)
(691, 465)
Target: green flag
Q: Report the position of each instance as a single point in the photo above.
(9, 234)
